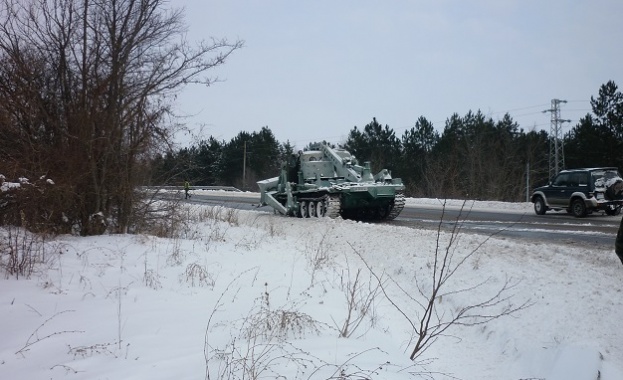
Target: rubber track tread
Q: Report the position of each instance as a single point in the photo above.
(334, 204)
(399, 204)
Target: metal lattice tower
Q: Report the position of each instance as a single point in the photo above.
(556, 148)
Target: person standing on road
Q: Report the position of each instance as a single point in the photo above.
(187, 189)
(618, 244)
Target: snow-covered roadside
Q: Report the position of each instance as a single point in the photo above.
(138, 307)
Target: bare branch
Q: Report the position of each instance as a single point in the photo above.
(428, 318)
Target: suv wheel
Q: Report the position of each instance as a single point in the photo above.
(539, 206)
(578, 208)
(613, 210)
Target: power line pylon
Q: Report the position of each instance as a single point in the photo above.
(556, 148)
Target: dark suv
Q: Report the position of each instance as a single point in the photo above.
(581, 191)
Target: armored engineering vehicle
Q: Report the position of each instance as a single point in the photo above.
(329, 182)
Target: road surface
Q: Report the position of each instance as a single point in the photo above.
(596, 230)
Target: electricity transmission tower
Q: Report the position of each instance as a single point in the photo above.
(556, 148)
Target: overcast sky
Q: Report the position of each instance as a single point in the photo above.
(312, 70)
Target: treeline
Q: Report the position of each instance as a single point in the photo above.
(474, 157)
(241, 162)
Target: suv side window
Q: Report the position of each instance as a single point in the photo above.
(578, 179)
(562, 180)
(609, 174)
(584, 178)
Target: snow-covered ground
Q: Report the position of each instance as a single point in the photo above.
(244, 295)
(522, 207)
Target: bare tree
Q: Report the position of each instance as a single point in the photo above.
(360, 297)
(426, 314)
(87, 89)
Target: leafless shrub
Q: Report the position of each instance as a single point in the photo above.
(262, 348)
(319, 255)
(119, 292)
(347, 370)
(254, 359)
(176, 256)
(163, 219)
(271, 228)
(260, 345)
(20, 251)
(219, 213)
(171, 219)
(67, 368)
(197, 275)
(360, 297)
(251, 241)
(282, 323)
(217, 233)
(206, 214)
(231, 217)
(50, 273)
(217, 218)
(151, 279)
(88, 351)
(35, 337)
(427, 314)
(85, 282)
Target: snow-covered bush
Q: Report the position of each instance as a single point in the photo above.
(38, 206)
(20, 251)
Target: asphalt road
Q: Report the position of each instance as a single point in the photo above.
(595, 230)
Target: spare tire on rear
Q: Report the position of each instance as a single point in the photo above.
(614, 191)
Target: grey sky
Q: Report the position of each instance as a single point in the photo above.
(312, 70)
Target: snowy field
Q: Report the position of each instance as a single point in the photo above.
(246, 295)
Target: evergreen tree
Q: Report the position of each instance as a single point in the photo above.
(376, 144)
(589, 145)
(207, 170)
(597, 140)
(233, 165)
(264, 156)
(417, 145)
(608, 109)
(250, 157)
(444, 169)
(286, 150)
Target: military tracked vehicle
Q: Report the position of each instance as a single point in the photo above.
(329, 182)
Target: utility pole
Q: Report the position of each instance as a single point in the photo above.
(244, 166)
(528, 181)
(556, 149)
